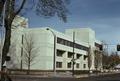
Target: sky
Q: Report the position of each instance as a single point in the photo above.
(103, 16)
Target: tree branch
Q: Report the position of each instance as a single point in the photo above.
(21, 7)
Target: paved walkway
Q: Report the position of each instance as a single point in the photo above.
(61, 75)
(109, 77)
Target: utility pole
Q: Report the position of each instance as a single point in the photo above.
(54, 55)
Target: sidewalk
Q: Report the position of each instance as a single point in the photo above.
(60, 75)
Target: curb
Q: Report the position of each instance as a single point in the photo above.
(93, 75)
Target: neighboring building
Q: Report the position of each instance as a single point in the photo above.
(42, 48)
(117, 67)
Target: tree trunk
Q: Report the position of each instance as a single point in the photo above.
(28, 72)
(9, 17)
(6, 45)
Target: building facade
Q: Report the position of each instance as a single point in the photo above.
(47, 49)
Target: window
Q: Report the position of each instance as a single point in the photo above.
(77, 46)
(70, 43)
(60, 53)
(78, 56)
(58, 64)
(60, 41)
(85, 57)
(77, 65)
(84, 66)
(99, 46)
(70, 54)
(69, 65)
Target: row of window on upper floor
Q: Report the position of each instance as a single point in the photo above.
(69, 54)
(71, 44)
(69, 65)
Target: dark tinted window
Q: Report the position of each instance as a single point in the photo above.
(70, 54)
(77, 65)
(69, 43)
(69, 65)
(59, 64)
(60, 53)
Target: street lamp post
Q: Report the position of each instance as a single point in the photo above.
(21, 65)
(73, 59)
(54, 55)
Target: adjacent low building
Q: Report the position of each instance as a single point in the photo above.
(47, 49)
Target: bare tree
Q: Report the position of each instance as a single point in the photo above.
(105, 56)
(29, 51)
(89, 58)
(98, 59)
(114, 60)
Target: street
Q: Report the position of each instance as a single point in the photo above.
(110, 77)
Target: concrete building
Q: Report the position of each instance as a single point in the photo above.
(47, 49)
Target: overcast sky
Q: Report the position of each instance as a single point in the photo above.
(103, 16)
